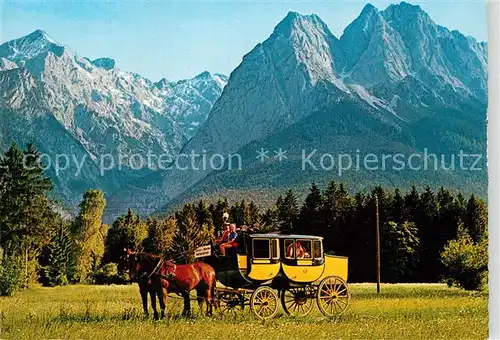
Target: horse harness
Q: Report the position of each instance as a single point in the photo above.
(155, 271)
(170, 275)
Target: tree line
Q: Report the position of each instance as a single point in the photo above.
(426, 236)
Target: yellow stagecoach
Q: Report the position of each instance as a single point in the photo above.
(269, 270)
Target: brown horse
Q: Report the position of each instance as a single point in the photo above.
(157, 276)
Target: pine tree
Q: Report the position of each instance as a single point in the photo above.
(476, 218)
(60, 258)
(361, 241)
(20, 187)
(426, 221)
(337, 213)
(449, 217)
(238, 213)
(203, 214)
(27, 220)
(399, 251)
(252, 216)
(160, 235)
(190, 234)
(288, 211)
(331, 211)
(38, 183)
(398, 207)
(217, 211)
(127, 231)
(412, 200)
(311, 214)
(269, 220)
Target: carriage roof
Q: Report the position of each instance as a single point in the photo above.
(287, 236)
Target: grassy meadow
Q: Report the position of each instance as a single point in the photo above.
(402, 311)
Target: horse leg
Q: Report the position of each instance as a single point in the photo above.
(215, 297)
(205, 294)
(162, 298)
(211, 291)
(200, 296)
(153, 304)
(210, 299)
(144, 295)
(187, 304)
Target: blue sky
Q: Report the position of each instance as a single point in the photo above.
(181, 39)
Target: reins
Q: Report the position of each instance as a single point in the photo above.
(162, 260)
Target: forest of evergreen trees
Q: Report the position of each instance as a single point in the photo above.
(427, 236)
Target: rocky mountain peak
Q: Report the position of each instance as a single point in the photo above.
(30, 46)
(405, 9)
(357, 35)
(294, 22)
(163, 84)
(104, 63)
(311, 43)
(204, 74)
(405, 15)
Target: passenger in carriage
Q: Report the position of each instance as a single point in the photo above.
(231, 240)
(300, 250)
(290, 251)
(225, 234)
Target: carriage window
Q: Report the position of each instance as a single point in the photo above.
(261, 249)
(303, 249)
(290, 249)
(274, 249)
(317, 249)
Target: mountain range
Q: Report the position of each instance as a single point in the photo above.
(395, 82)
(71, 105)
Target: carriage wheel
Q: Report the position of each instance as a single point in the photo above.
(333, 296)
(264, 302)
(297, 301)
(230, 303)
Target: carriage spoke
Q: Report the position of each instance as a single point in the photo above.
(344, 301)
(330, 307)
(263, 302)
(333, 296)
(296, 301)
(228, 303)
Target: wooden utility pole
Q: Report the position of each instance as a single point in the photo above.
(377, 243)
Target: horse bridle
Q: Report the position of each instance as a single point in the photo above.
(158, 266)
(168, 276)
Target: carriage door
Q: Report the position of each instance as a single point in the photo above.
(265, 259)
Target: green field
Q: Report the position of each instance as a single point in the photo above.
(409, 311)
